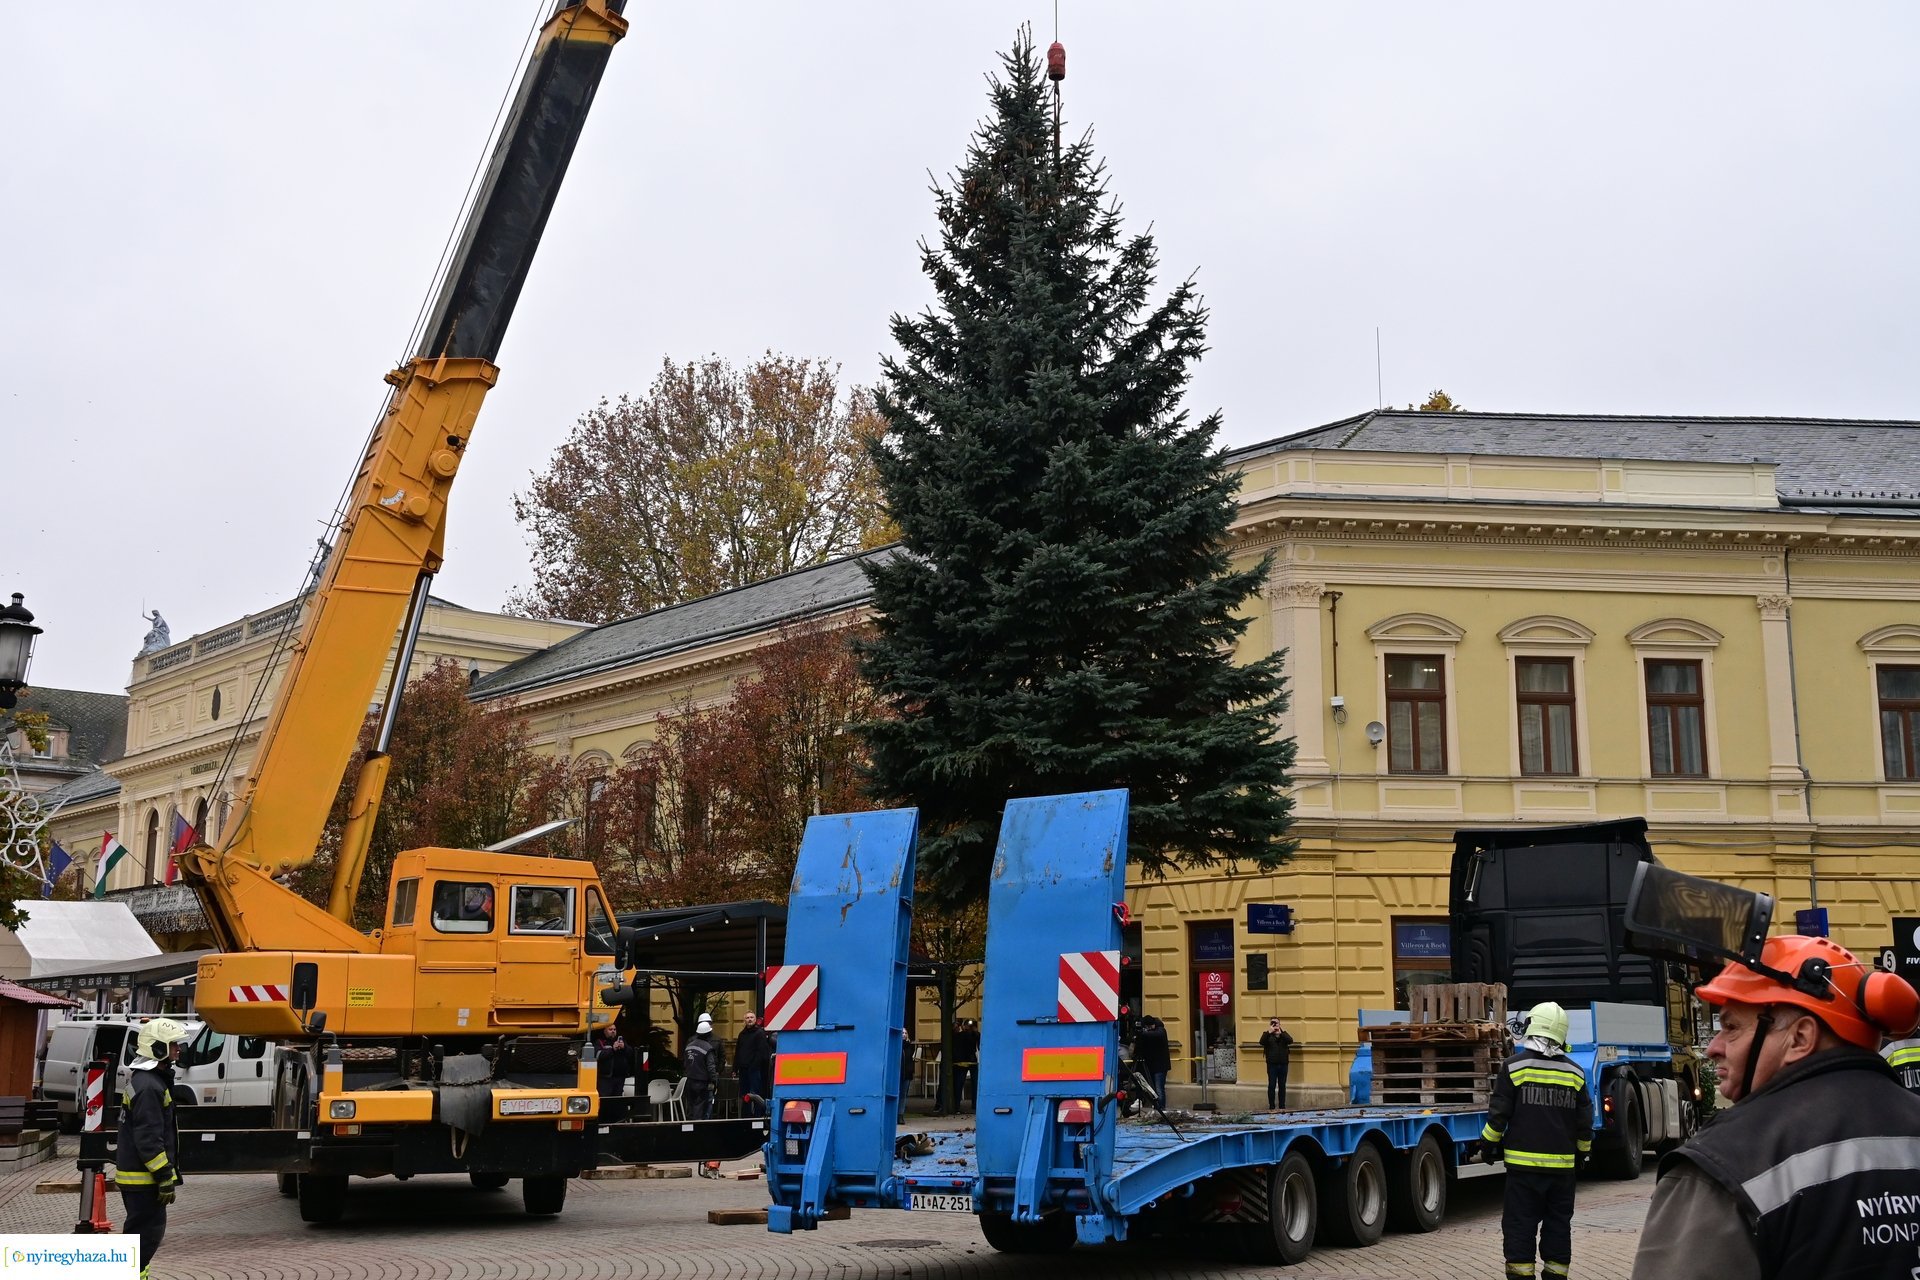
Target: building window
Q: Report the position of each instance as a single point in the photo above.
(1422, 954)
(1416, 713)
(213, 710)
(1544, 687)
(153, 847)
(1676, 718)
(200, 821)
(1900, 722)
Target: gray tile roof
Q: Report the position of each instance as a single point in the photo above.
(88, 786)
(804, 593)
(96, 723)
(1817, 459)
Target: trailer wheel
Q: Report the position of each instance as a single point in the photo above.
(1293, 1214)
(289, 1183)
(1623, 1162)
(1354, 1199)
(487, 1181)
(323, 1197)
(1052, 1234)
(544, 1196)
(1417, 1189)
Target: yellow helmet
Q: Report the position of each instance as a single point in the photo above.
(1548, 1021)
(155, 1035)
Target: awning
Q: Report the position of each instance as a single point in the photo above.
(149, 972)
(27, 995)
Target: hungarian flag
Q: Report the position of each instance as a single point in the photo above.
(57, 865)
(184, 837)
(112, 853)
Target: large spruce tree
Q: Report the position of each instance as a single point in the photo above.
(1063, 616)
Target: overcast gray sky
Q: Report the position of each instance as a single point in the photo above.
(219, 222)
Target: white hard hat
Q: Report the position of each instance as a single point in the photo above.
(156, 1034)
(704, 1024)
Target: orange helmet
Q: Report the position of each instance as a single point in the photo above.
(1859, 1004)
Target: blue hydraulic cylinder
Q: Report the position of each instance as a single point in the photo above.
(1049, 1031)
(848, 914)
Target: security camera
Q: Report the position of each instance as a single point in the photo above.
(1376, 732)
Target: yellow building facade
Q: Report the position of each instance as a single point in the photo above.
(189, 705)
(1490, 620)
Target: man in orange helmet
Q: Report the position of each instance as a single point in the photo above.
(1815, 1171)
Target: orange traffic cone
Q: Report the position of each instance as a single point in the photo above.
(93, 1206)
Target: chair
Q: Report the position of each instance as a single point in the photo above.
(931, 1084)
(677, 1100)
(663, 1097)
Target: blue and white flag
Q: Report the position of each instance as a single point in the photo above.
(56, 867)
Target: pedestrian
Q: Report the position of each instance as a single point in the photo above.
(1153, 1054)
(1903, 1056)
(701, 1061)
(1277, 1045)
(613, 1062)
(148, 1153)
(1540, 1117)
(1815, 1168)
(753, 1062)
(966, 1062)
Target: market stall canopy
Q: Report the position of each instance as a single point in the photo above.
(60, 937)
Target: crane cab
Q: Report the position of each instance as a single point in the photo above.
(472, 945)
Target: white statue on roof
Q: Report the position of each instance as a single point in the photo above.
(157, 639)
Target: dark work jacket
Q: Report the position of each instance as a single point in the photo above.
(1824, 1165)
(1150, 1048)
(702, 1068)
(753, 1051)
(1276, 1045)
(148, 1149)
(1540, 1112)
(1904, 1057)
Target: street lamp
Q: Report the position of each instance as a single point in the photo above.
(16, 649)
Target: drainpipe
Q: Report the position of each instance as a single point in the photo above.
(1799, 758)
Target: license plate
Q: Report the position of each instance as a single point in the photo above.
(529, 1106)
(940, 1202)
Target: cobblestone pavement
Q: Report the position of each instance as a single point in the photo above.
(441, 1229)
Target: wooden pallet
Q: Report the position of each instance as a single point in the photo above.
(1433, 1070)
(1459, 1002)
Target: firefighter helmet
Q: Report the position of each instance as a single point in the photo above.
(155, 1035)
(1856, 1002)
(1547, 1021)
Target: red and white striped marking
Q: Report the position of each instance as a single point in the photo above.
(264, 994)
(95, 1110)
(1089, 986)
(793, 997)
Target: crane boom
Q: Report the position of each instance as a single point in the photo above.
(391, 540)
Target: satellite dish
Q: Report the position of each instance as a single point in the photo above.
(1376, 732)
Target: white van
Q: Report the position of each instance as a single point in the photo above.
(213, 1068)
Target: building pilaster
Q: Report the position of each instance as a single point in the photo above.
(1295, 609)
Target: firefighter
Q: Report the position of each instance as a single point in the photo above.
(1904, 1057)
(1815, 1169)
(1540, 1118)
(148, 1147)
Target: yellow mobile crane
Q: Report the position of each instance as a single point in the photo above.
(452, 1039)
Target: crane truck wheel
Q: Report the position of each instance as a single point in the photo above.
(1052, 1234)
(1417, 1188)
(544, 1196)
(1353, 1199)
(488, 1181)
(323, 1197)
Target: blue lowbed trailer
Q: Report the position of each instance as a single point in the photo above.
(1052, 1160)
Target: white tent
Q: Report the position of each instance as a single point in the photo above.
(65, 936)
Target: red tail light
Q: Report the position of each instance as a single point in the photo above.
(796, 1113)
(1074, 1111)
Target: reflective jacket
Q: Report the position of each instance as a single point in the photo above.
(1540, 1112)
(1823, 1166)
(148, 1147)
(1904, 1057)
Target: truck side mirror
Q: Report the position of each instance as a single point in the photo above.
(306, 986)
(317, 1023)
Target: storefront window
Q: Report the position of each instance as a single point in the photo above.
(1422, 954)
(1210, 951)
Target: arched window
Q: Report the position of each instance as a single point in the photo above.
(153, 847)
(213, 710)
(200, 820)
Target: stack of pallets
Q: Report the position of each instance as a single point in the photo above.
(1448, 1054)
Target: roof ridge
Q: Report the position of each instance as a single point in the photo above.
(1635, 417)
